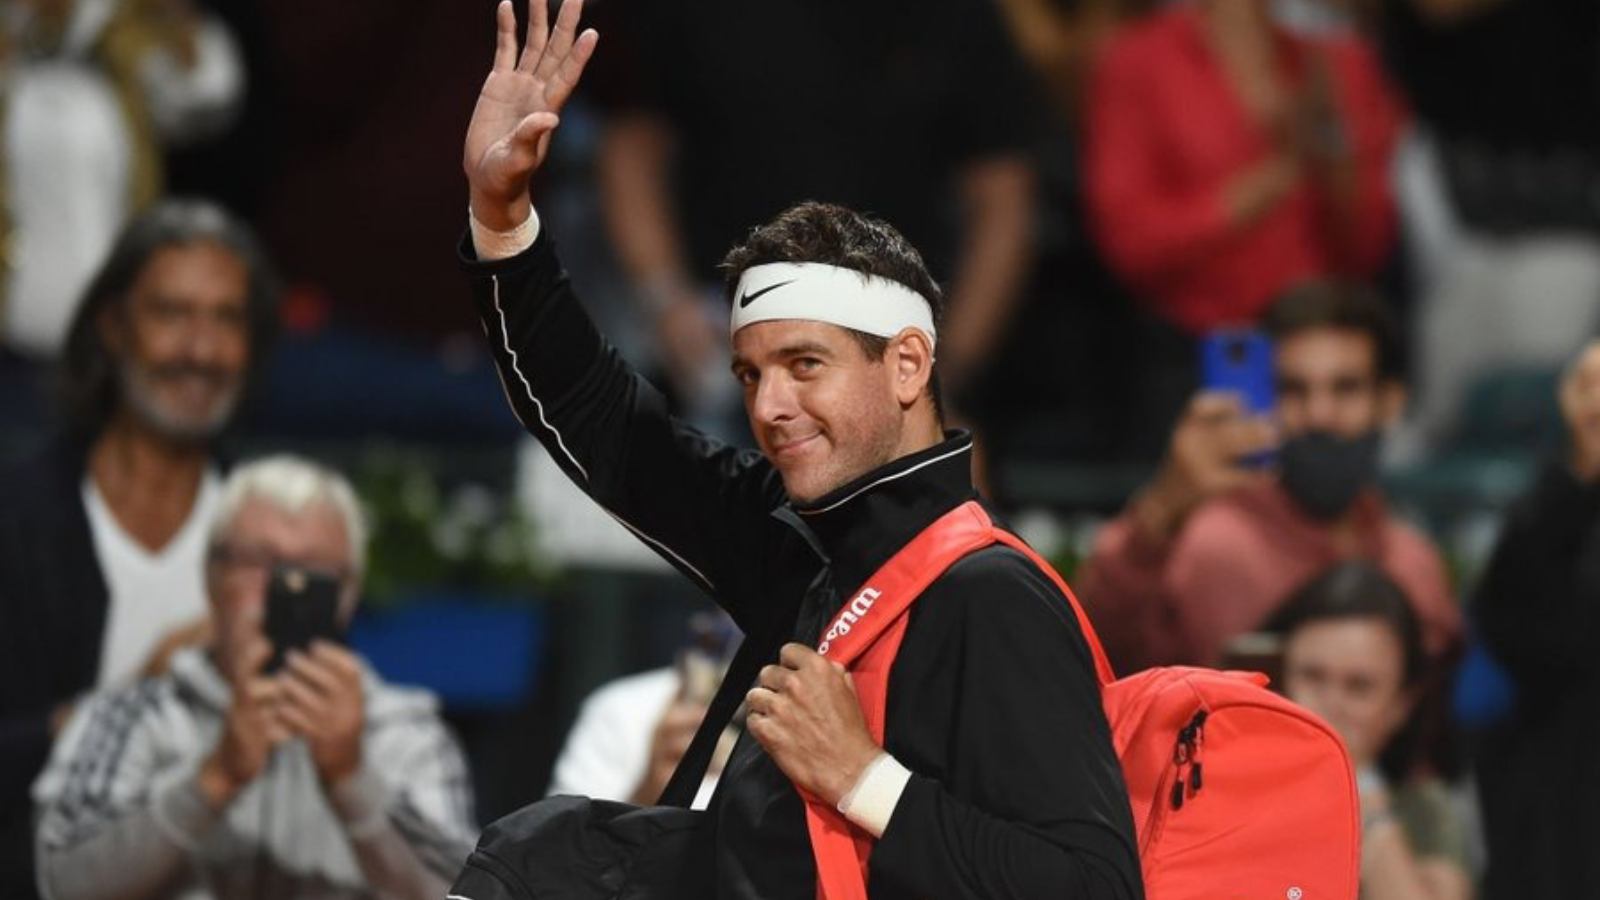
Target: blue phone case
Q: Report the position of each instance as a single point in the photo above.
(1239, 361)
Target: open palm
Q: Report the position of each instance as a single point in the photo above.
(517, 109)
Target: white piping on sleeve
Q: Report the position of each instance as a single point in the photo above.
(538, 407)
(505, 339)
(885, 480)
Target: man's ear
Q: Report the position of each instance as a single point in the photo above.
(910, 355)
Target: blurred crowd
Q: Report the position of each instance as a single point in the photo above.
(1274, 320)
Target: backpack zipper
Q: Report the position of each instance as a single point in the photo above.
(1186, 758)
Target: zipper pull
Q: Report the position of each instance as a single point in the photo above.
(1177, 794)
(1194, 778)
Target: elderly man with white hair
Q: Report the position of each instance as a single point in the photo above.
(220, 779)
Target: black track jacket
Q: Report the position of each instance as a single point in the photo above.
(993, 702)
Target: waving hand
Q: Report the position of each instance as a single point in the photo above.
(518, 108)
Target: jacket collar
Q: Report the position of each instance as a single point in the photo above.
(859, 526)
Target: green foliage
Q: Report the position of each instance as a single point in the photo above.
(431, 532)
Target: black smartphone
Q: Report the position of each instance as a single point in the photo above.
(302, 606)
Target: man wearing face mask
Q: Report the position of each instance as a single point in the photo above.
(1209, 547)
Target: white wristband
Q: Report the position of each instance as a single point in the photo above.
(877, 792)
(491, 245)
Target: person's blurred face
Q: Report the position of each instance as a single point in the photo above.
(181, 340)
(1327, 381)
(261, 537)
(821, 411)
(1351, 672)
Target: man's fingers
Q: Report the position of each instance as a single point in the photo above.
(795, 656)
(1214, 407)
(761, 701)
(252, 659)
(505, 37)
(338, 660)
(538, 35)
(262, 693)
(1247, 437)
(774, 678)
(570, 69)
(295, 720)
(524, 146)
(297, 692)
(312, 672)
(561, 39)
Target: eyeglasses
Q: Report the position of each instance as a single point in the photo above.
(259, 561)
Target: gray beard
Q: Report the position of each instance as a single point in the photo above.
(141, 400)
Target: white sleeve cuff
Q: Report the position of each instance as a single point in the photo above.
(872, 801)
(492, 245)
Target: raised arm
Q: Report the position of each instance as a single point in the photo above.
(700, 504)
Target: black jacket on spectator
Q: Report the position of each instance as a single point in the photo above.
(1539, 611)
(993, 702)
(53, 601)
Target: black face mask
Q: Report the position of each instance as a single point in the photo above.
(1325, 473)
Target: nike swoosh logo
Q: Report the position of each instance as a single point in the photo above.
(748, 299)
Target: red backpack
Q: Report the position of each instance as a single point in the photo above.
(1236, 792)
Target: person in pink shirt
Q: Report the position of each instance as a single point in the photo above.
(1213, 545)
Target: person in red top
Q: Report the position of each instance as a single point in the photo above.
(1212, 547)
(1227, 160)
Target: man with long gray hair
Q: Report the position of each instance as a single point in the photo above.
(102, 531)
(224, 778)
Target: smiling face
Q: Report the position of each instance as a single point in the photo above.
(1351, 672)
(822, 411)
(181, 340)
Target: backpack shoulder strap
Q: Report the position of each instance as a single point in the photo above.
(865, 636)
(897, 584)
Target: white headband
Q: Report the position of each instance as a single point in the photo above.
(822, 293)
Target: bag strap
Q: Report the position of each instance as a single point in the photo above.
(865, 637)
(897, 584)
(691, 771)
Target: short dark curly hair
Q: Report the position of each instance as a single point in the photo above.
(1346, 306)
(814, 232)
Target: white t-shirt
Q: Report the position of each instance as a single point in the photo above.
(149, 594)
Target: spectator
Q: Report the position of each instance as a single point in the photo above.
(1500, 191)
(1209, 548)
(1229, 159)
(102, 532)
(1352, 654)
(631, 733)
(319, 781)
(92, 92)
(1536, 609)
(722, 114)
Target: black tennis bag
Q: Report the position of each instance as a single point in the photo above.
(575, 848)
